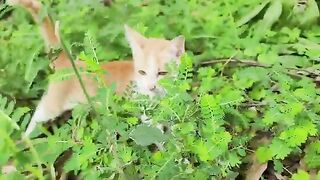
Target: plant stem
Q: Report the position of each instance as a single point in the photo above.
(72, 61)
(35, 155)
(233, 60)
(296, 72)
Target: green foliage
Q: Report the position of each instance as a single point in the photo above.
(312, 155)
(145, 135)
(301, 175)
(213, 113)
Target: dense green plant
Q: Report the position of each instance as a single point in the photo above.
(247, 87)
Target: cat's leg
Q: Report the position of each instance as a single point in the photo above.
(42, 114)
(51, 105)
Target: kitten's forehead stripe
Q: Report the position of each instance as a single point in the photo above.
(152, 65)
(154, 46)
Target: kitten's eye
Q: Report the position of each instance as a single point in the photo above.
(162, 73)
(142, 72)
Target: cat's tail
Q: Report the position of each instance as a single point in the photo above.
(49, 31)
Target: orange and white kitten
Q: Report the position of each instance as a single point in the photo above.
(150, 55)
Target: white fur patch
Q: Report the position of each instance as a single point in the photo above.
(70, 105)
(8, 169)
(13, 2)
(40, 115)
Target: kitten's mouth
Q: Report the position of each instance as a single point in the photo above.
(159, 92)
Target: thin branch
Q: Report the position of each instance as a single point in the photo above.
(35, 155)
(226, 63)
(303, 70)
(258, 104)
(291, 71)
(233, 60)
(288, 171)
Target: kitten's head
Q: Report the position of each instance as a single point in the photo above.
(150, 56)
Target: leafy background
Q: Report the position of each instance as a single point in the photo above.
(244, 105)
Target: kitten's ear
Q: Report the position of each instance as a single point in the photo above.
(135, 39)
(178, 45)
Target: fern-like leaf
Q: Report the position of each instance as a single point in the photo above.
(9, 116)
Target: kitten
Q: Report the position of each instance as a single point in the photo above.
(150, 55)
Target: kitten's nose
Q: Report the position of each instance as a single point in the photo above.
(152, 87)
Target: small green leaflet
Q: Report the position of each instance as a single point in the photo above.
(145, 135)
(252, 14)
(263, 154)
(273, 12)
(268, 58)
(301, 175)
(7, 110)
(61, 75)
(278, 166)
(244, 78)
(73, 163)
(312, 157)
(279, 149)
(202, 150)
(6, 119)
(295, 136)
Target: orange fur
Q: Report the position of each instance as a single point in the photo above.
(149, 55)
